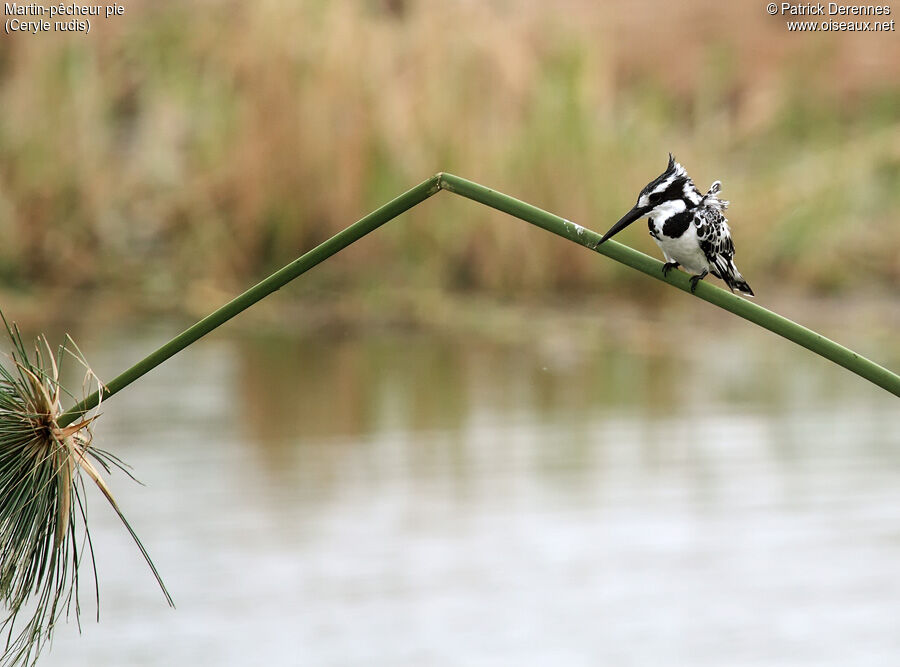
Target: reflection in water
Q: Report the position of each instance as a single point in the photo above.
(423, 501)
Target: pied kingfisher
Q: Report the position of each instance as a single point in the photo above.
(688, 227)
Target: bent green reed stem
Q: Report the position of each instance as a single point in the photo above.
(741, 307)
(256, 293)
(552, 223)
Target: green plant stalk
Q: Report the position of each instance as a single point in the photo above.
(256, 293)
(741, 307)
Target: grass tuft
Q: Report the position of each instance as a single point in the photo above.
(44, 535)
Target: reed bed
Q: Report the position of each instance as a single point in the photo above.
(187, 145)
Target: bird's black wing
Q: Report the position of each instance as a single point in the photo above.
(714, 236)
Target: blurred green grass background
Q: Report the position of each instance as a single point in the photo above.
(188, 149)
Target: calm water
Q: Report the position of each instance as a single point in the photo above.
(423, 500)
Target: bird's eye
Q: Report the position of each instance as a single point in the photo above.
(655, 198)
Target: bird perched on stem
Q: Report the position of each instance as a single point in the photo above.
(688, 227)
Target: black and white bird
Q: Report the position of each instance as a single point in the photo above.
(688, 227)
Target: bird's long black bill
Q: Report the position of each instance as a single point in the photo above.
(627, 219)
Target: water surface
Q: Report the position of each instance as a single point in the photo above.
(416, 499)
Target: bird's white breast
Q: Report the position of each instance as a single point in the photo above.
(685, 249)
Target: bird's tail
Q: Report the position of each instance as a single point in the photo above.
(735, 281)
(741, 286)
(726, 270)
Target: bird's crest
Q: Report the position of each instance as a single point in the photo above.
(674, 167)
